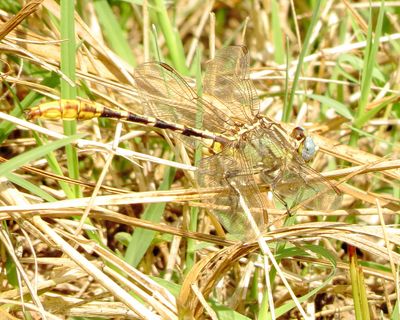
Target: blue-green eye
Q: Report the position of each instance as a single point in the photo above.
(308, 150)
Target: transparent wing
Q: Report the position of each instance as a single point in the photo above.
(227, 82)
(291, 178)
(307, 188)
(231, 171)
(167, 96)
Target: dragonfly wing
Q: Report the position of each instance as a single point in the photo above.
(302, 185)
(167, 96)
(288, 174)
(230, 171)
(227, 82)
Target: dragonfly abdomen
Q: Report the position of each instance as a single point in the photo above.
(72, 109)
(66, 109)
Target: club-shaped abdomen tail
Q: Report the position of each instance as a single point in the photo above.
(66, 109)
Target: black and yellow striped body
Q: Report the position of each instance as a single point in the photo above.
(71, 109)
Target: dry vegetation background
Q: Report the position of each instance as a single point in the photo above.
(111, 225)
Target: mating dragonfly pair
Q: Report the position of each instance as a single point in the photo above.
(253, 149)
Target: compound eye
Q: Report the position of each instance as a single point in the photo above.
(298, 133)
(308, 149)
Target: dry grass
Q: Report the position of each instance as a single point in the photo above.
(134, 240)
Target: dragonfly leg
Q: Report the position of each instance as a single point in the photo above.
(272, 176)
(243, 184)
(275, 174)
(284, 203)
(229, 176)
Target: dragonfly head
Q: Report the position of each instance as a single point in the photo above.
(307, 148)
(298, 133)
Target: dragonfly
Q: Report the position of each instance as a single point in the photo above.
(249, 149)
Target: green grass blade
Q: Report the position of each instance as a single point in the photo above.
(287, 109)
(295, 251)
(55, 167)
(68, 48)
(194, 212)
(339, 107)
(51, 159)
(354, 63)
(355, 283)
(142, 238)
(35, 154)
(336, 90)
(173, 42)
(11, 268)
(369, 64)
(370, 114)
(396, 311)
(392, 144)
(31, 98)
(33, 189)
(68, 65)
(279, 49)
(225, 313)
(113, 32)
